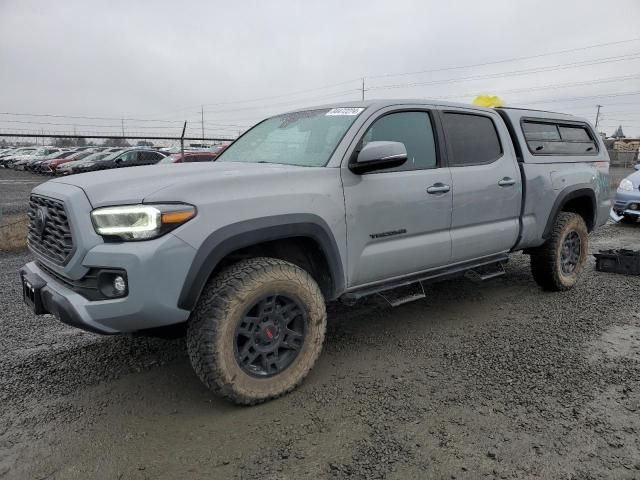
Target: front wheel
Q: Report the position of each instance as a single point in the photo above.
(257, 330)
(557, 264)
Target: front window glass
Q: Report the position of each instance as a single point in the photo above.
(306, 138)
(414, 130)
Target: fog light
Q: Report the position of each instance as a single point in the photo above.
(113, 283)
(119, 285)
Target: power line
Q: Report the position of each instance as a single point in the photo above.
(496, 75)
(31, 122)
(551, 86)
(443, 69)
(563, 66)
(349, 92)
(446, 81)
(82, 133)
(128, 137)
(88, 118)
(261, 107)
(557, 100)
(513, 59)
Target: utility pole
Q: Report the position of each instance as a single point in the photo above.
(597, 116)
(202, 123)
(363, 89)
(122, 123)
(184, 129)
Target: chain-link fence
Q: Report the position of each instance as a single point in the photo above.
(623, 159)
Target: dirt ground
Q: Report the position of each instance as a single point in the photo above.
(491, 380)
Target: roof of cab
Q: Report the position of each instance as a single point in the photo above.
(381, 103)
(513, 112)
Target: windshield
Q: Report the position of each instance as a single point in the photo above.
(51, 156)
(306, 138)
(96, 156)
(113, 155)
(79, 155)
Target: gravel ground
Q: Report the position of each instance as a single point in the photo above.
(491, 380)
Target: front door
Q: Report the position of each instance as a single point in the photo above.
(398, 219)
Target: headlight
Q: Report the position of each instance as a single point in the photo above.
(140, 222)
(626, 185)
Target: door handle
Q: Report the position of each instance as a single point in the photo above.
(506, 182)
(438, 188)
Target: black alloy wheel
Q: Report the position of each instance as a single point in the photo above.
(571, 250)
(270, 335)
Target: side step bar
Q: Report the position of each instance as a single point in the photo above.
(486, 273)
(490, 267)
(401, 295)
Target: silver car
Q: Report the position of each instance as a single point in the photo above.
(626, 203)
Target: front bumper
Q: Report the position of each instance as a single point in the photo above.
(624, 200)
(156, 270)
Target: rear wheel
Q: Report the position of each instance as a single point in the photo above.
(257, 330)
(557, 264)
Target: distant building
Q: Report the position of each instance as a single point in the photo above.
(618, 134)
(627, 144)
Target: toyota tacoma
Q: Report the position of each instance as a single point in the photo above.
(326, 203)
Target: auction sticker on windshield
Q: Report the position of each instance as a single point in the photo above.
(349, 111)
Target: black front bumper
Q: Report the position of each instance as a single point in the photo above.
(42, 300)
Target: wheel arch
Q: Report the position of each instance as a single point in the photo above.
(580, 199)
(304, 233)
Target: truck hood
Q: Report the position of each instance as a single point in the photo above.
(133, 185)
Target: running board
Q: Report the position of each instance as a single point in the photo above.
(401, 295)
(486, 273)
(495, 261)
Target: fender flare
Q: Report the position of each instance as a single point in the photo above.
(252, 232)
(569, 193)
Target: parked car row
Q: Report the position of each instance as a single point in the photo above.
(66, 161)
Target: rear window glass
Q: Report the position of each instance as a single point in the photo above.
(574, 134)
(541, 131)
(549, 138)
(473, 139)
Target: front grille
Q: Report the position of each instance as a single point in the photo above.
(54, 241)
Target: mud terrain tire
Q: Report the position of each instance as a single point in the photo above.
(556, 265)
(224, 307)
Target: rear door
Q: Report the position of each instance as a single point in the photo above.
(487, 188)
(398, 219)
(151, 158)
(128, 159)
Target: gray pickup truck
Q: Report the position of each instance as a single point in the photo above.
(327, 203)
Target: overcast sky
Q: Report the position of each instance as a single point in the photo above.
(244, 60)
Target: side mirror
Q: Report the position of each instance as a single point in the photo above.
(379, 156)
(637, 167)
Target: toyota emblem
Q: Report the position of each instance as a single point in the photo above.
(41, 220)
